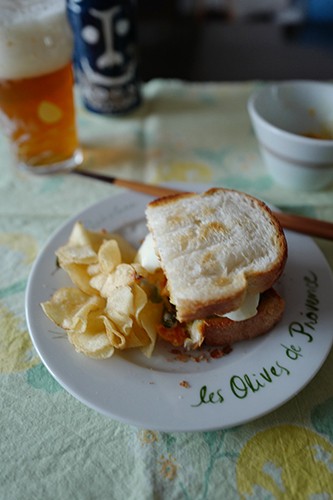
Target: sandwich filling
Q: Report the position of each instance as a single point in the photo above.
(172, 330)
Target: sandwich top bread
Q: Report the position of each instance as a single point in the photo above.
(215, 248)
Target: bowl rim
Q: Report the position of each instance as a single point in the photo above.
(277, 130)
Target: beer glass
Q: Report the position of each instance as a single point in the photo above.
(37, 112)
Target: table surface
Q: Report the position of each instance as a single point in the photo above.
(52, 445)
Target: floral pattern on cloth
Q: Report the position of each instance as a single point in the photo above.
(284, 461)
(52, 445)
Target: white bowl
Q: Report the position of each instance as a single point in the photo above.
(281, 115)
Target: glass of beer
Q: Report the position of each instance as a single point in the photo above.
(37, 111)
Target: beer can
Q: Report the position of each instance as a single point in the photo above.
(106, 54)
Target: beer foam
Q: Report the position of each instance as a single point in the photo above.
(35, 37)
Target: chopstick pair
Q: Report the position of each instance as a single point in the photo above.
(297, 223)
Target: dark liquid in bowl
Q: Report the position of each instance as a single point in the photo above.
(314, 135)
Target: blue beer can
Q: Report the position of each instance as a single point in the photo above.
(106, 54)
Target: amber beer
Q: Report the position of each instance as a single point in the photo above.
(36, 88)
(38, 117)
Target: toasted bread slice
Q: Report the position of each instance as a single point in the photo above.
(214, 248)
(219, 331)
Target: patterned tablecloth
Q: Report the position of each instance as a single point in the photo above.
(52, 445)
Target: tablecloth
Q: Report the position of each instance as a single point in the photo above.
(52, 445)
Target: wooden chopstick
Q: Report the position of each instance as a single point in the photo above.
(297, 223)
(133, 185)
(306, 225)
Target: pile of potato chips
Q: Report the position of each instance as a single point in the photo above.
(110, 307)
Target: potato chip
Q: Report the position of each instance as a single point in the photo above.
(138, 337)
(109, 310)
(123, 307)
(79, 255)
(80, 237)
(93, 346)
(69, 308)
(149, 317)
(135, 337)
(93, 342)
(140, 299)
(79, 276)
(126, 250)
(93, 269)
(97, 282)
(140, 271)
(119, 308)
(97, 238)
(115, 337)
(109, 256)
(83, 246)
(136, 328)
(79, 248)
(123, 275)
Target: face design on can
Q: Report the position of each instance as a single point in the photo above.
(105, 43)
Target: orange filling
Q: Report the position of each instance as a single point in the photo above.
(176, 335)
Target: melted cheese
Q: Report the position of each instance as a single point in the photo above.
(194, 341)
(248, 309)
(146, 255)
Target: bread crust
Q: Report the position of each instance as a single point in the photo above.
(165, 200)
(221, 331)
(251, 282)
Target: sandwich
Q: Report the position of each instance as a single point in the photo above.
(215, 257)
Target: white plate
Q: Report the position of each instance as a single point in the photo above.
(255, 378)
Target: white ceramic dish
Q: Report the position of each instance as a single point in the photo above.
(254, 379)
(282, 114)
